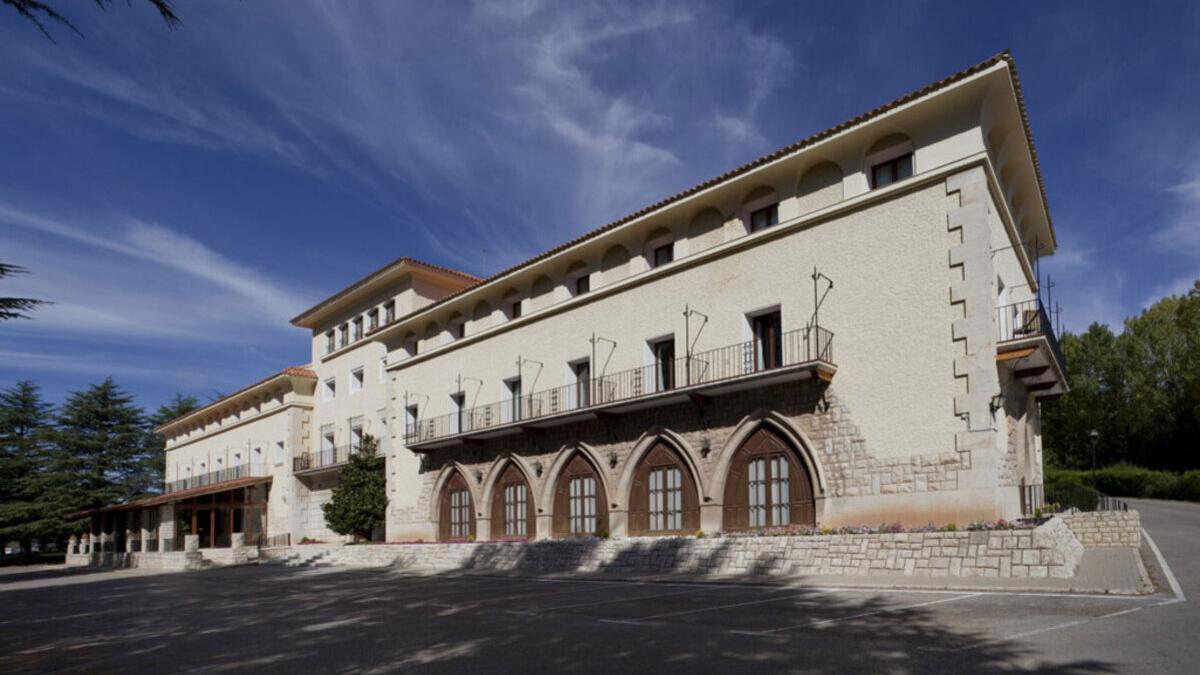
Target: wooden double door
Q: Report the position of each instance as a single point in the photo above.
(663, 498)
(767, 486)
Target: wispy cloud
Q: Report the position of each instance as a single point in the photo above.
(129, 278)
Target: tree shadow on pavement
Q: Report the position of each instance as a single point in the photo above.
(287, 620)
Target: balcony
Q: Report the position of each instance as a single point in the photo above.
(1026, 342)
(217, 477)
(326, 459)
(795, 355)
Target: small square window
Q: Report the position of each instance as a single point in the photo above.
(663, 255)
(459, 330)
(389, 311)
(356, 380)
(583, 284)
(892, 171)
(358, 329)
(764, 218)
(344, 335)
(514, 310)
(329, 391)
(330, 343)
(372, 319)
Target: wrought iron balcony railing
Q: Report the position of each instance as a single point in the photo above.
(1028, 319)
(807, 345)
(215, 477)
(323, 459)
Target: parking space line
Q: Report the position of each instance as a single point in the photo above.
(820, 623)
(610, 601)
(652, 617)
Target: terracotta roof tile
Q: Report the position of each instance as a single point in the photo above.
(293, 371)
(1004, 56)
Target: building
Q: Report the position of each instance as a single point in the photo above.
(845, 331)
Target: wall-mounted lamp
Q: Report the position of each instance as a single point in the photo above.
(705, 448)
(997, 403)
(478, 476)
(612, 459)
(537, 469)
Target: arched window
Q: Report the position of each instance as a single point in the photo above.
(890, 160)
(579, 279)
(541, 293)
(457, 324)
(512, 304)
(767, 485)
(432, 332)
(513, 514)
(456, 521)
(706, 230)
(481, 316)
(819, 187)
(615, 264)
(659, 248)
(580, 504)
(760, 209)
(663, 497)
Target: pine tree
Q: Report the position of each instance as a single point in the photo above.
(151, 479)
(359, 502)
(24, 428)
(99, 447)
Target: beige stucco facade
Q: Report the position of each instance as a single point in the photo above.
(910, 389)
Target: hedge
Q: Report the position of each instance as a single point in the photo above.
(1126, 480)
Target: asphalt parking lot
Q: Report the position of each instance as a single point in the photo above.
(352, 620)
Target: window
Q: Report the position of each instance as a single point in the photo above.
(358, 329)
(356, 380)
(514, 310)
(372, 319)
(768, 340)
(356, 436)
(769, 491)
(457, 411)
(410, 420)
(764, 218)
(329, 391)
(582, 371)
(663, 255)
(330, 344)
(411, 347)
(515, 510)
(459, 330)
(666, 498)
(344, 335)
(389, 311)
(664, 363)
(280, 453)
(583, 284)
(328, 441)
(892, 171)
(582, 491)
(514, 395)
(460, 514)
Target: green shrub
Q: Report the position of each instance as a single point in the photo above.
(1186, 487)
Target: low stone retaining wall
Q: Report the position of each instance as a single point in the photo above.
(1049, 550)
(169, 560)
(1106, 529)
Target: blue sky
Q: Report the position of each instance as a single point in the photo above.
(181, 194)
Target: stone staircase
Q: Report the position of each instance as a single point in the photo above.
(307, 555)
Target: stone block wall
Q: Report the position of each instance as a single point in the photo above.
(1105, 529)
(850, 467)
(1050, 550)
